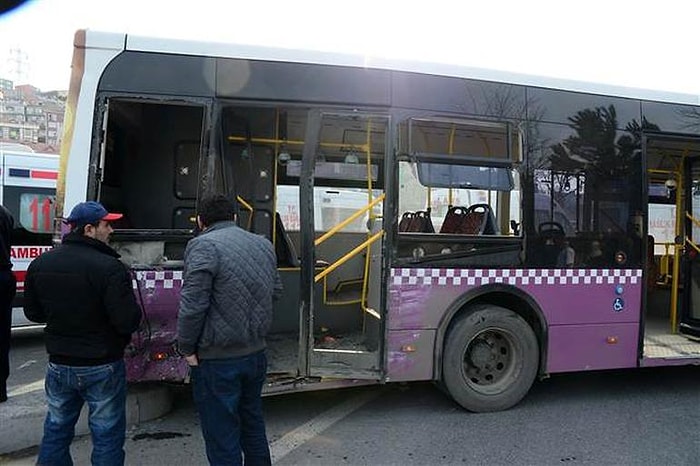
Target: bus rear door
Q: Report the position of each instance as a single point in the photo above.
(690, 305)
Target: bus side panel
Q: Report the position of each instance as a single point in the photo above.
(580, 303)
(592, 347)
(410, 355)
(152, 355)
(413, 316)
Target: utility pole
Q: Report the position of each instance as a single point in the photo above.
(18, 66)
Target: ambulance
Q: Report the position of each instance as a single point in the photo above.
(28, 191)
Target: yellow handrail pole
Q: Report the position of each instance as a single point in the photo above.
(248, 207)
(693, 245)
(370, 213)
(450, 149)
(661, 172)
(368, 153)
(347, 221)
(348, 256)
(485, 141)
(693, 219)
(245, 204)
(674, 288)
(675, 280)
(291, 142)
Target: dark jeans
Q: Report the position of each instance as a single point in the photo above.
(8, 287)
(67, 388)
(227, 394)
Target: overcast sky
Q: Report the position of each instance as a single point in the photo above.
(635, 43)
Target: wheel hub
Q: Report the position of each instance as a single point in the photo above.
(480, 355)
(487, 358)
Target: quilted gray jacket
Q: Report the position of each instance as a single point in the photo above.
(230, 280)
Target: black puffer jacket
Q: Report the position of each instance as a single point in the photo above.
(84, 295)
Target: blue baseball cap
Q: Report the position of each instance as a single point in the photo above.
(90, 212)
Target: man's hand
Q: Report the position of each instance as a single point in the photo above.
(192, 360)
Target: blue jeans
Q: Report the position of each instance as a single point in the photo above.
(227, 395)
(67, 388)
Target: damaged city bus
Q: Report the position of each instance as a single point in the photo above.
(431, 223)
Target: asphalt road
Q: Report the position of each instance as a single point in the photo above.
(635, 417)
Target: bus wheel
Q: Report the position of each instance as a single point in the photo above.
(490, 359)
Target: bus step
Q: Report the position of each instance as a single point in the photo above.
(345, 292)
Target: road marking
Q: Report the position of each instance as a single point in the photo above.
(27, 364)
(28, 388)
(305, 432)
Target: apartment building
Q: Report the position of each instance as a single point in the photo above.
(31, 117)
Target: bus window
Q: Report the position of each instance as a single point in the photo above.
(417, 195)
(139, 166)
(460, 163)
(591, 190)
(331, 207)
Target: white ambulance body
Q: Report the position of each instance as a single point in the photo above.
(28, 191)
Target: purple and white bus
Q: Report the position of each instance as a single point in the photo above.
(504, 233)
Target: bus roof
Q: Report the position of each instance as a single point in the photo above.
(121, 41)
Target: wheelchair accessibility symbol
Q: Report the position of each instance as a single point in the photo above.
(618, 304)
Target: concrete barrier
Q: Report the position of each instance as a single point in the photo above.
(22, 415)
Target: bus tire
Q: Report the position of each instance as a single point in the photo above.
(490, 359)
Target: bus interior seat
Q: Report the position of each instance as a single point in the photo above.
(547, 244)
(416, 222)
(453, 219)
(405, 222)
(284, 247)
(477, 219)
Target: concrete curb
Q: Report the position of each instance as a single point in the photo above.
(22, 416)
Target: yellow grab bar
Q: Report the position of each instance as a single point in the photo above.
(245, 204)
(249, 208)
(292, 142)
(692, 244)
(348, 220)
(348, 256)
(693, 219)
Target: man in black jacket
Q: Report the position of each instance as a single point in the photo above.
(8, 287)
(84, 295)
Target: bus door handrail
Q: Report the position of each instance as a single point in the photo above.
(249, 208)
(695, 222)
(349, 255)
(348, 220)
(693, 219)
(365, 245)
(692, 244)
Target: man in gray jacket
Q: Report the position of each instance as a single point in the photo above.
(230, 281)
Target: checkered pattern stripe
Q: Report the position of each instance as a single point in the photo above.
(517, 277)
(163, 278)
